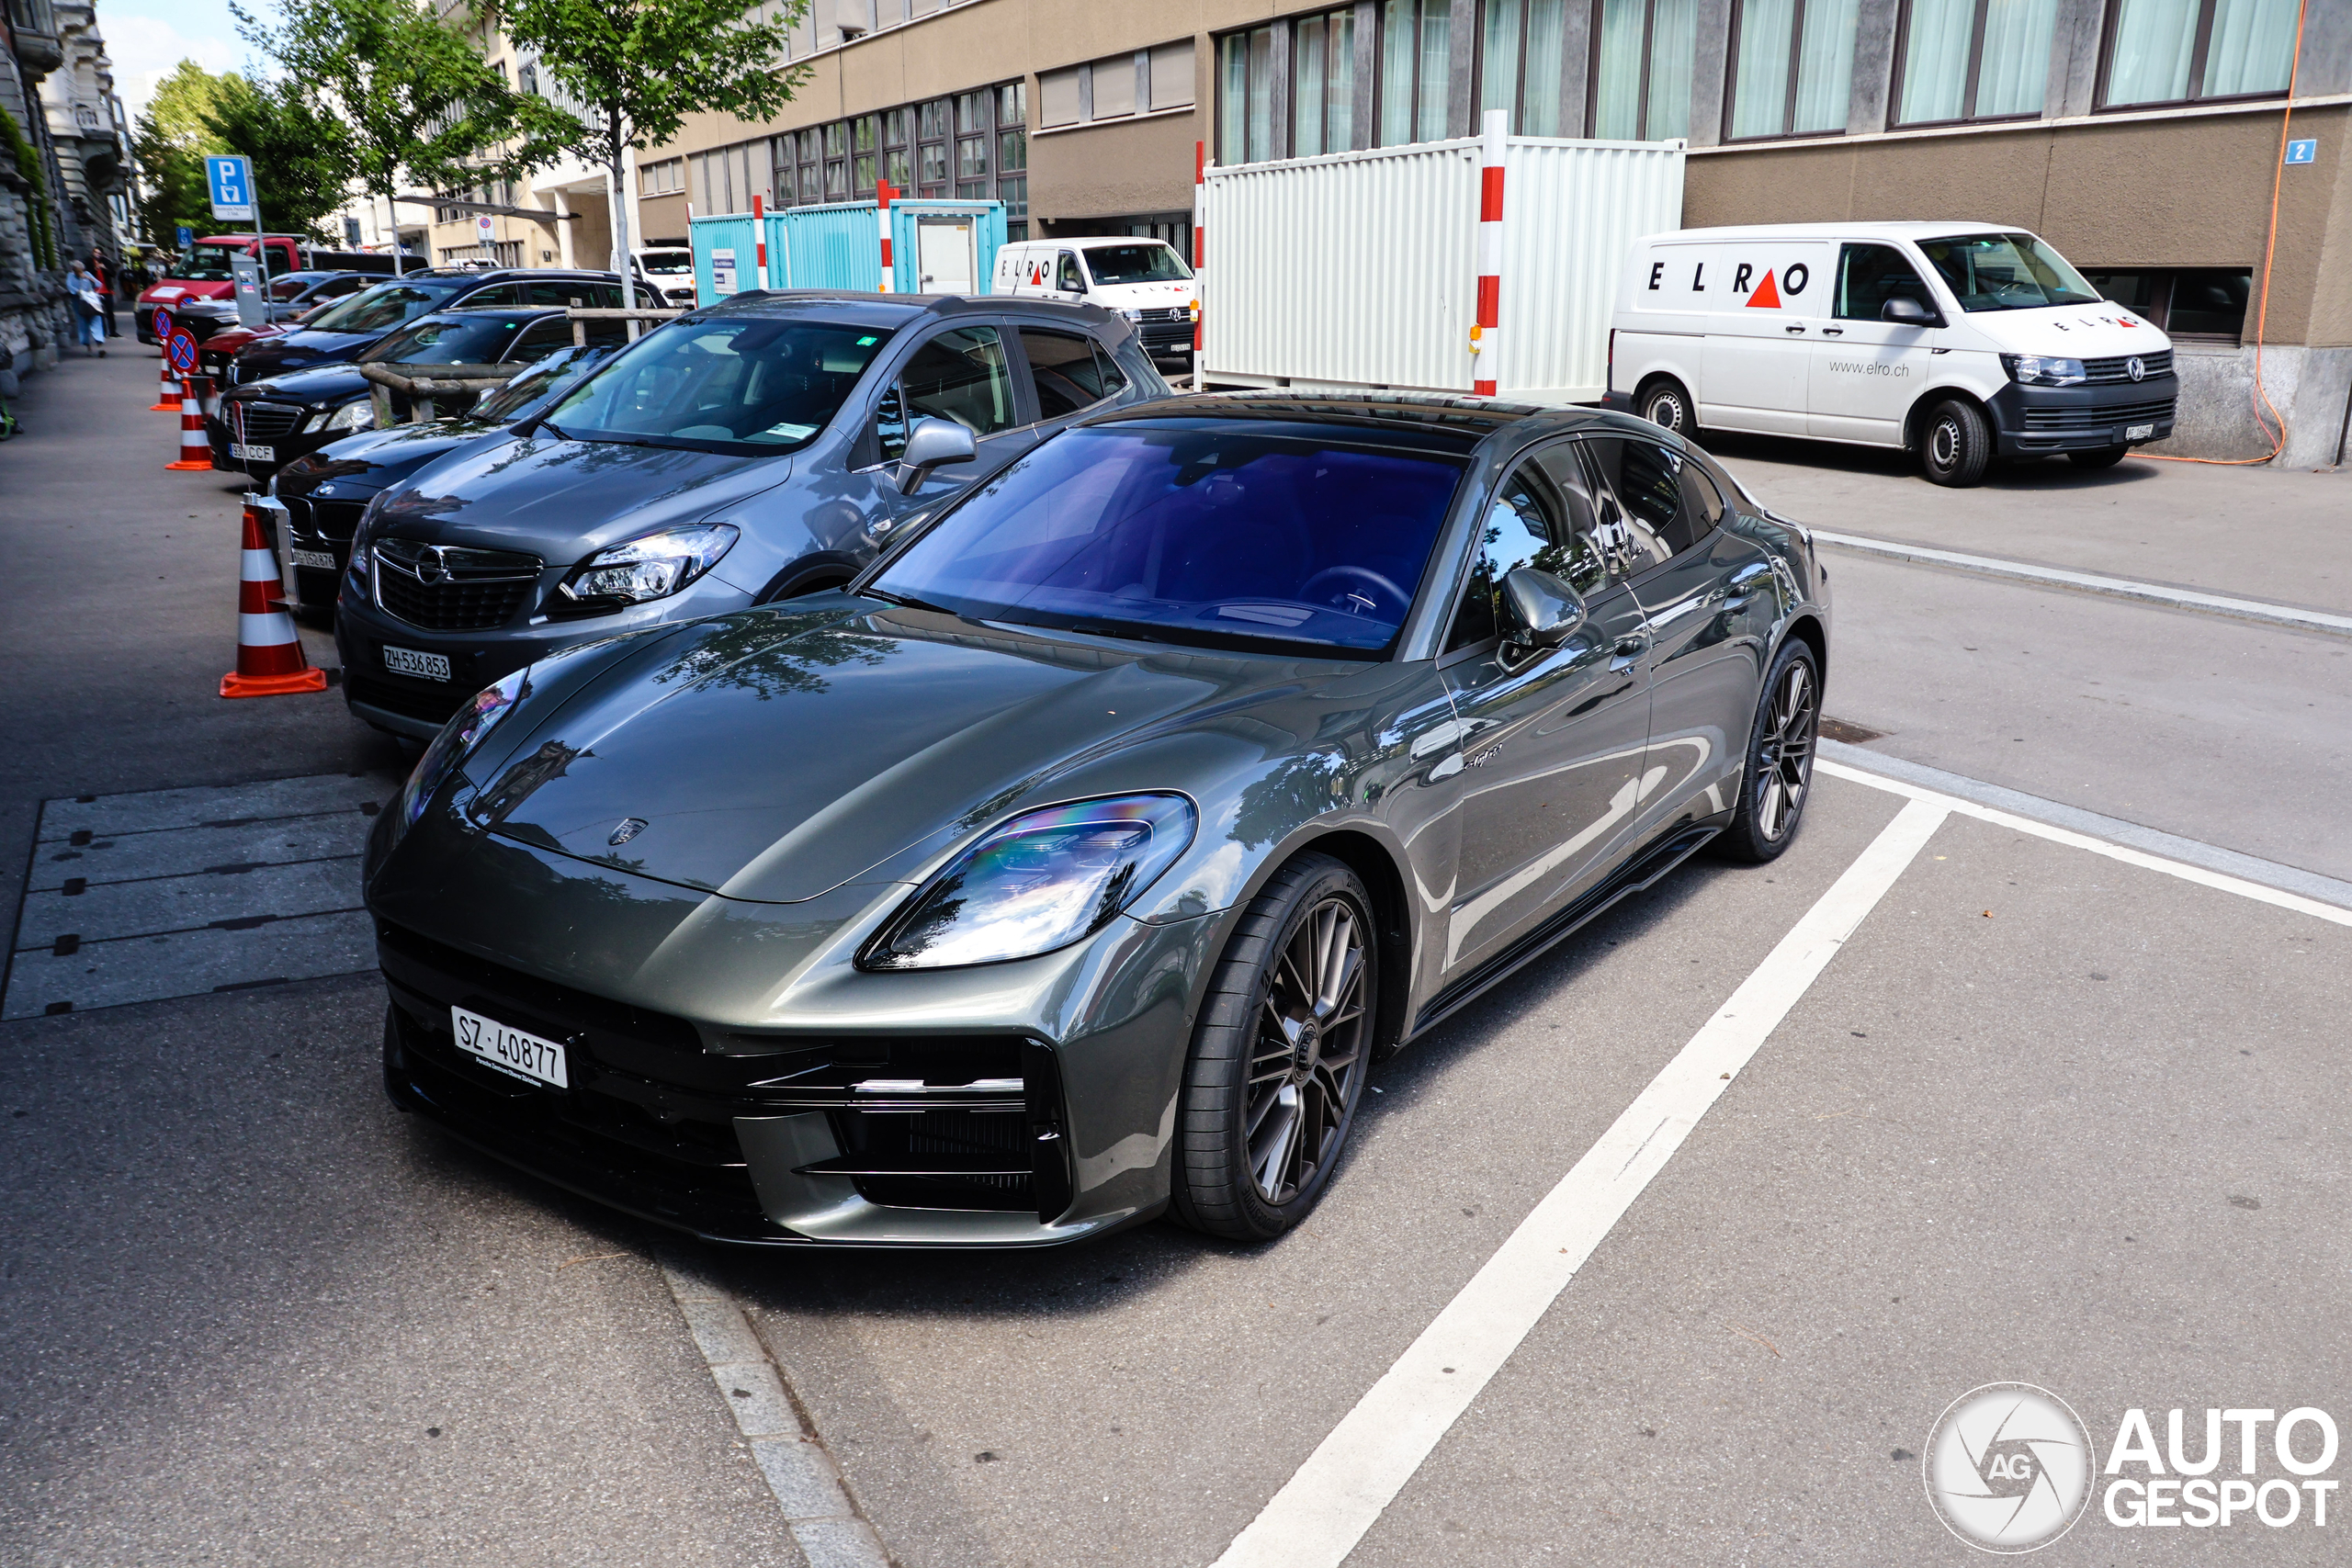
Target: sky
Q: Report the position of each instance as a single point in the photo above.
(148, 39)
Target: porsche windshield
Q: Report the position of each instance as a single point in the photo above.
(751, 387)
(1213, 536)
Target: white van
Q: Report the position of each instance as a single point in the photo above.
(1959, 341)
(1144, 280)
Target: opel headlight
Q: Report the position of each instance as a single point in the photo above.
(650, 568)
(457, 742)
(1041, 881)
(2041, 370)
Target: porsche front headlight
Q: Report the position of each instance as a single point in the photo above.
(1041, 881)
(457, 742)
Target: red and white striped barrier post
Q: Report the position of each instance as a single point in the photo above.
(196, 446)
(269, 652)
(882, 194)
(760, 238)
(168, 400)
(1484, 340)
(1200, 254)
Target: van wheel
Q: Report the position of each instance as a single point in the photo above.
(1956, 445)
(2101, 458)
(1664, 402)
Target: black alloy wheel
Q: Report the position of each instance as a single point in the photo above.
(2099, 457)
(1778, 779)
(1278, 1061)
(1956, 445)
(1664, 402)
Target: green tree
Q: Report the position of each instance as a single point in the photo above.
(636, 68)
(409, 99)
(277, 125)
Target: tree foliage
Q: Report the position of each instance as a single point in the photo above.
(277, 126)
(635, 69)
(408, 100)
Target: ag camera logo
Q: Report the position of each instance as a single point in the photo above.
(2009, 1467)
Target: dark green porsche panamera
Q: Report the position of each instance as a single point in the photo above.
(1075, 863)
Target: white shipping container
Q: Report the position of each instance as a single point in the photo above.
(1361, 269)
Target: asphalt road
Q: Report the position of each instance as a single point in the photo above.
(2048, 1115)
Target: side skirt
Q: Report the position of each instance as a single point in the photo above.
(1643, 870)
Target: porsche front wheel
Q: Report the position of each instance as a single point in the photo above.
(1278, 1059)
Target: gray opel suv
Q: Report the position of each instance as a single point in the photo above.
(758, 451)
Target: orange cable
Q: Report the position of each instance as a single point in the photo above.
(2261, 397)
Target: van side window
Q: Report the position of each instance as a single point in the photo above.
(1071, 281)
(1868, 275)
(1062, 368)
(1655, 516)
(960, 375)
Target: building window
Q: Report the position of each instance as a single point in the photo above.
(1323, 84)
(974, 122)
(837, 161)
(664, 178)
(1796, 66)
(2201, 304)
(1012, 157)
(1246, 96)
(866, 136)
(1642, 53)
(2174, 50)
(1416, 46)
(1522, 58)
(897, 141)
(1974, 59)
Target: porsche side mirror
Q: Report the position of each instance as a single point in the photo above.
(1906, 313)
(932, 442)
(1544, 611)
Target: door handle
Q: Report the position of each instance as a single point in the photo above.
(1793, 327)
(1833, 332)
(1627, 651)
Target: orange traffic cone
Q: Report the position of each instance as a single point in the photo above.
(168, 399)
(269, 654)
(196, 447)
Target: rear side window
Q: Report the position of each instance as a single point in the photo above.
(1868, 275)
(1649, 514)
(496, 297)
(960, 375)
(1067, 371)
(542, 338)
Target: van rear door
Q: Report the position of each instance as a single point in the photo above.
(1762, 299)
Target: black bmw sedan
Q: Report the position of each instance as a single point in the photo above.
(258, 427)
(1076, 860)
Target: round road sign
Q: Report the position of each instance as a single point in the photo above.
(162, 323)
(181, 346)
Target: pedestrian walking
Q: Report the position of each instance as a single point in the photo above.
(109, 274)
(89, 323)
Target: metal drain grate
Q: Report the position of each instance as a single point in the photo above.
(178, 892)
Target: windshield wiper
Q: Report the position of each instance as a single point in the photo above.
(543, 423)
(907, 601)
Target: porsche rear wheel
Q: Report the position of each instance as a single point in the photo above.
(1278, 1059)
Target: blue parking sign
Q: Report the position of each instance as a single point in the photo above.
(230, 175)
(188, 236)
(2304, 150)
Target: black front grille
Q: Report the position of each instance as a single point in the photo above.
(449, 606)
(337, 520)
(2097, 416)
(2118, 368)
(1170, 313)
(266, 422)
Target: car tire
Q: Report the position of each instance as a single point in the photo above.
(1955, 443)
(1260, 1086)
(1778, 779)
(1664, 403)
(2101, 458)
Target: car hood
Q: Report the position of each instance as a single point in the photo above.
(2071, 332)
(774, 755)
(375, 459)
(324, 384)
(562, 500)
(295, 351)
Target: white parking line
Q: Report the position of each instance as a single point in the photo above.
(2092, 582)
(2056, 835)
(1317, 1518)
